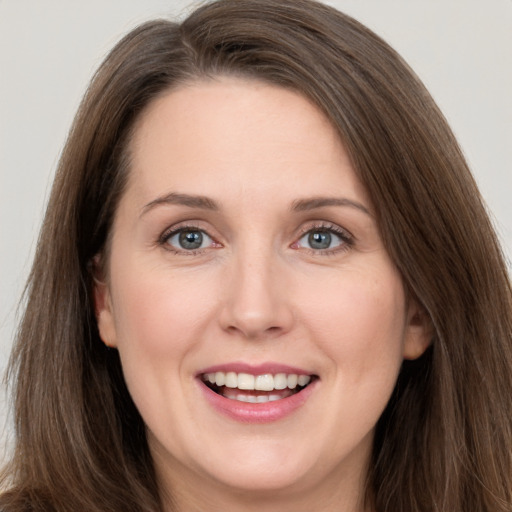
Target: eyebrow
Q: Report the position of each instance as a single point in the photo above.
(313, 203)
(202, 202)
(205, 203)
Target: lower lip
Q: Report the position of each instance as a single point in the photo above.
(266, 412)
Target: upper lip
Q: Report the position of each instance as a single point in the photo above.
(251, 369)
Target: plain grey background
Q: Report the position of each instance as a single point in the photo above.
(461, 49)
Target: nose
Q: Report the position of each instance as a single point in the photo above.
(256, 300)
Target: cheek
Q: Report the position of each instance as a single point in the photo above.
(158, 314)
(359, 321)
(158, 321)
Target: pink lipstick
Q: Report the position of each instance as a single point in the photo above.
(256, 393)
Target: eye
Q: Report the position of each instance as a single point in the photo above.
(326, 238)
(187, 239)
(320, 240)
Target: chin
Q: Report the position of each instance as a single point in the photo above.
(262, 478)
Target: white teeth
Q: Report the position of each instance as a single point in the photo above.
(259, 399)
(303, 380)
(220, 378)
(280, 381)
(245, 381)
(292, 380)
(231, 380)
(264, 382)
(247, 398)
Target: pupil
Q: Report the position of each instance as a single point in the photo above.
(191, 239)
(319, 240)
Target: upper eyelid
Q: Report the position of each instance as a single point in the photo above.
(346, 238)
(328, 226)
(183, 226)
(164, 238)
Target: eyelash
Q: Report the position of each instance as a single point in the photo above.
(164, 238)
(347, 239)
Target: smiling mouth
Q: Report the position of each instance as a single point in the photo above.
(256, 389)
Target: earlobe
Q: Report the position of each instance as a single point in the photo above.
(419, 332)
(103, 308)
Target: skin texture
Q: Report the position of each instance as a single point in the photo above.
(255, 292)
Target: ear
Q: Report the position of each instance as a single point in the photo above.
(103, 306)
(419, 331)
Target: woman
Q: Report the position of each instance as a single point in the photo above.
(266, 280)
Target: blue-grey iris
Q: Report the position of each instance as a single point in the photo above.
(319, 239)
(191, 240)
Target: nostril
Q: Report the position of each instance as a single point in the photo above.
(253, 332)
(253, 305)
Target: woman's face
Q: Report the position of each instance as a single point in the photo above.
(260, 322)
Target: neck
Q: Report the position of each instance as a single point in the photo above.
(202, 501)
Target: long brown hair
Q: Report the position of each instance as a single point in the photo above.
(444, 443)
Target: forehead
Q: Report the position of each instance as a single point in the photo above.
(240, 132)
